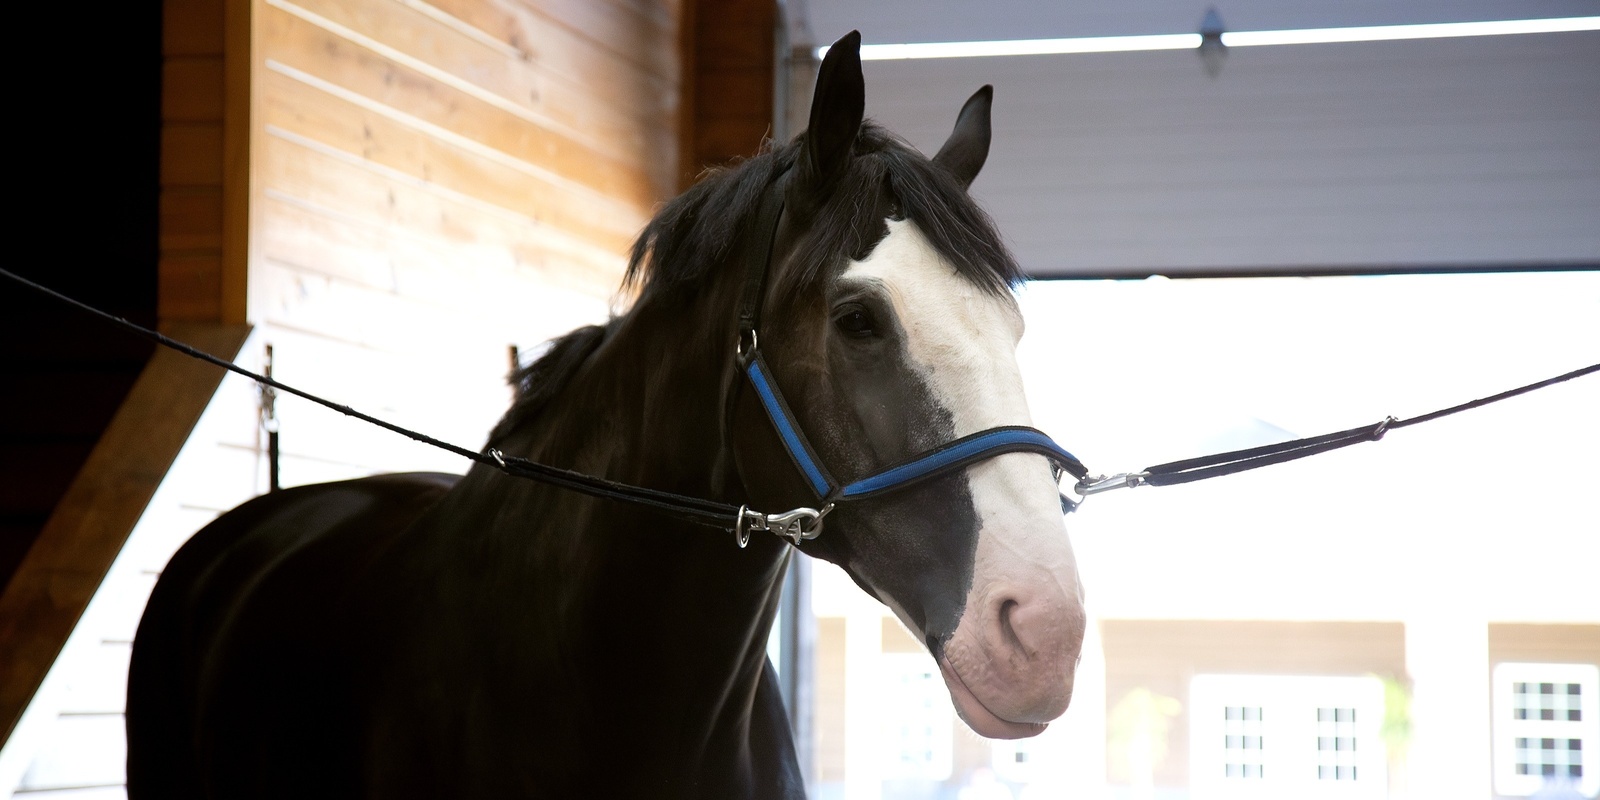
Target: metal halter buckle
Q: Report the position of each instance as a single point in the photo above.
(796, 525)
(1103, 483)
(742, 348)
(1382, 428)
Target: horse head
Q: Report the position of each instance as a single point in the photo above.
(890, 328)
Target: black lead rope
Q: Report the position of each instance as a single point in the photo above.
(1189, 470)
(688, 509)
(724, 516)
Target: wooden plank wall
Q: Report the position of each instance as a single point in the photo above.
(435, 181)
(519, 144)
(728, 52)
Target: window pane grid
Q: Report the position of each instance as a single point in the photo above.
(1548, 701)
(1550, 756)
(1242, 742)
(1336, 744)
(1544, 728)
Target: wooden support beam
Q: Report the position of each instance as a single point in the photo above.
(729, 55)
(238, 106)
(207, 108)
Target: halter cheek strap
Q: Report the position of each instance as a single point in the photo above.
(758, 260)
(794, 440)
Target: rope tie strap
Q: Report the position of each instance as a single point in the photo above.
(1189, 470)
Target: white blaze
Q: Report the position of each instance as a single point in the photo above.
(963, 339)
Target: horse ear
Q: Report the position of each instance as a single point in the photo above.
(968, 146)
(836, 110)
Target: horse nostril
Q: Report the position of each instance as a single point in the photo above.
(1007, 630)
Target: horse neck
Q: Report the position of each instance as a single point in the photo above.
(643, 591)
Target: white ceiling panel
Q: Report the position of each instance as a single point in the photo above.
(900, 21)
(1428, 154)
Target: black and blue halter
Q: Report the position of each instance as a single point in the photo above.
(931, 464)
(941, 460)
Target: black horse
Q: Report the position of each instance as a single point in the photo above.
(429, 636)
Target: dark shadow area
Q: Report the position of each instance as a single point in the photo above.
(84, 176)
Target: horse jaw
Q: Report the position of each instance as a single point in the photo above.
(1010, 661)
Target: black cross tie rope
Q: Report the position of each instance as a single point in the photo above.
(714, 514)
(1189, 470)
(689, 509)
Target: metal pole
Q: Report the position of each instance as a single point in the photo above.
(794, 68)
(269, 422)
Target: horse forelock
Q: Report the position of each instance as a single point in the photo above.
(930, 197)
(698, 229)
(693, 234)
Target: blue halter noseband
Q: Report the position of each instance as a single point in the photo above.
(806, 523)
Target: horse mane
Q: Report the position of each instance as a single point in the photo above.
(695, 232)
(539, 382)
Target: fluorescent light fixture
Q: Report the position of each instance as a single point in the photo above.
(1384, 33)
(1026, 47)
(1185, 41)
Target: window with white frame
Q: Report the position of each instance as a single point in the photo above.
(1546, 728)
(1286, 736)
(1336, 744)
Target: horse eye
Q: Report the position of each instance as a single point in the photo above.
(855, 323)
